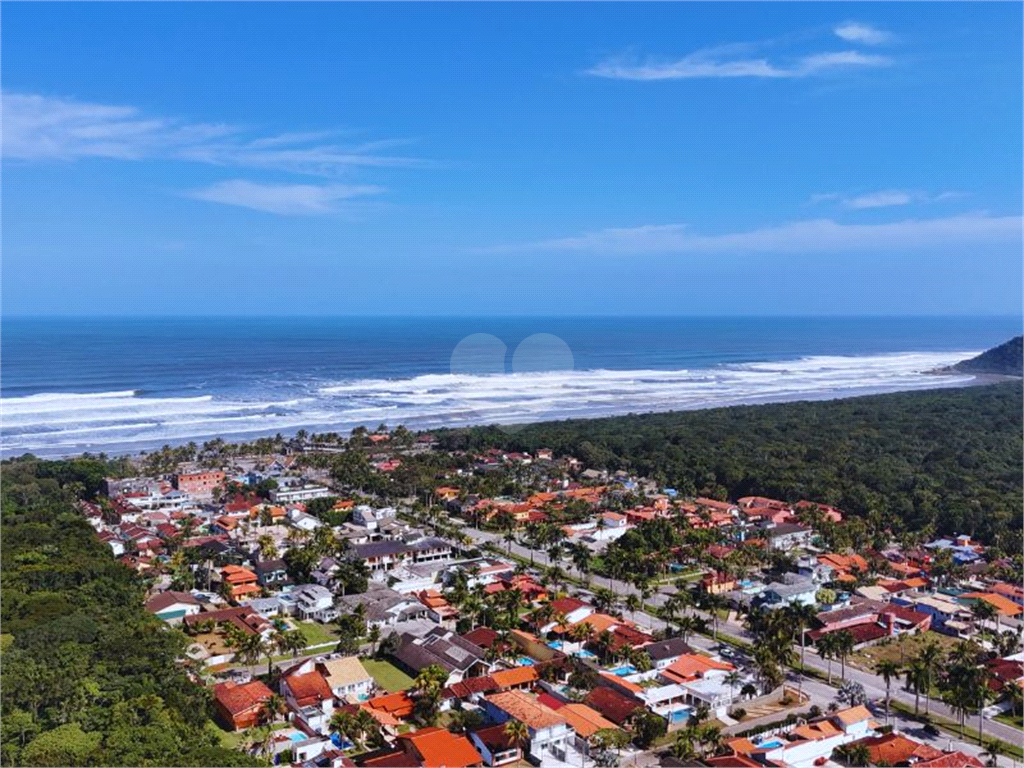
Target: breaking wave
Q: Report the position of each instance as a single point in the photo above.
(51, 424)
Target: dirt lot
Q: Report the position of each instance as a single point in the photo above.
(900, 652)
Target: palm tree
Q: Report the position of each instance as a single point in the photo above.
(916, 680)
(518, 733)
(713, 603)
(887, 669)
(268, 548)
(249, 650)
(274, 705)
(682, 747)
(633, 604)
(803, 616)
(603, 643)
(931, 657)
(690, 625)
(855, 754)
(994, 749)
(732, 679)
(827, 650)
(844, 647)
(984, 611)
(343, 724)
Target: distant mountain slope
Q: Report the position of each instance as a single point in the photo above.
(1007, 359)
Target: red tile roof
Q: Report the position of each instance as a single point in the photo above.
(309, 688)
(238, 698)
(616, 706)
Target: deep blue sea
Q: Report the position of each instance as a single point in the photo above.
(120, 385)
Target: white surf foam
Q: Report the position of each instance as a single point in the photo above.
(56, 423)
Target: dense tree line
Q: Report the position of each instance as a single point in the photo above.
(944, 460)
(88, 677)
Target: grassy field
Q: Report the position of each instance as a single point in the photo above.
(229, 739)
(1014, 720)
(388, 676)
(867, 658)
(317, 634)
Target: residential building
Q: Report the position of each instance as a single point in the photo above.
(173, 607)
(291, 493)
(272, 574)
(439, 747)
(549, 732)
(347, 678)
(239, 706)
(242, 582)
(495, 746)
(315, 602)
(199, 484)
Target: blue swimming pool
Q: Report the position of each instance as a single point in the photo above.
(770, 744)
(583, 653)
(339, 742)
(524, 661)
(625, 669)
(679, 715)
(556, 644)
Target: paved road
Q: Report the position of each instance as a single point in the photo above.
(873, 685)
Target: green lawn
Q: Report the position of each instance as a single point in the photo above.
(1015, 720)
(317, 634)
(229, 739)
(5, 640)
(388, 676)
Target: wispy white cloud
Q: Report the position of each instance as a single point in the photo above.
(38, 128)
(712, 63)
(284, 199)
(812, 237)
(856, 32)
(885, 198)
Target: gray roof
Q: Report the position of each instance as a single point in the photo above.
(380, 549)
(667, 649)
(441, 647)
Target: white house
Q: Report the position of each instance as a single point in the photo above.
(313, 601)
(303, 521)
(550, 734)
(172, 607)
(347, 677)
(804, 745)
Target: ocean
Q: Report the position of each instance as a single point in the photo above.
(120, 385)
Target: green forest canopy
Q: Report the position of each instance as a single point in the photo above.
(88, 676)
(950, 458)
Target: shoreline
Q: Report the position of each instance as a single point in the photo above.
(136, 454)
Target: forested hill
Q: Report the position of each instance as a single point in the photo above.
(1006, 359)
(88, 677)
(947, 458)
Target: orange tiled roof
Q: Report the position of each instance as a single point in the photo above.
(691, 666)
(853, 715)
(526, 708)
(308, 687)
(437, 747)
(1004, 605)
(237, 699)
(508, 678)
(895, 748)
(585, 720)
(396, 704)
(823, 729)
(600, 622)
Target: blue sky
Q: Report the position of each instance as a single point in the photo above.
(512, 159)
